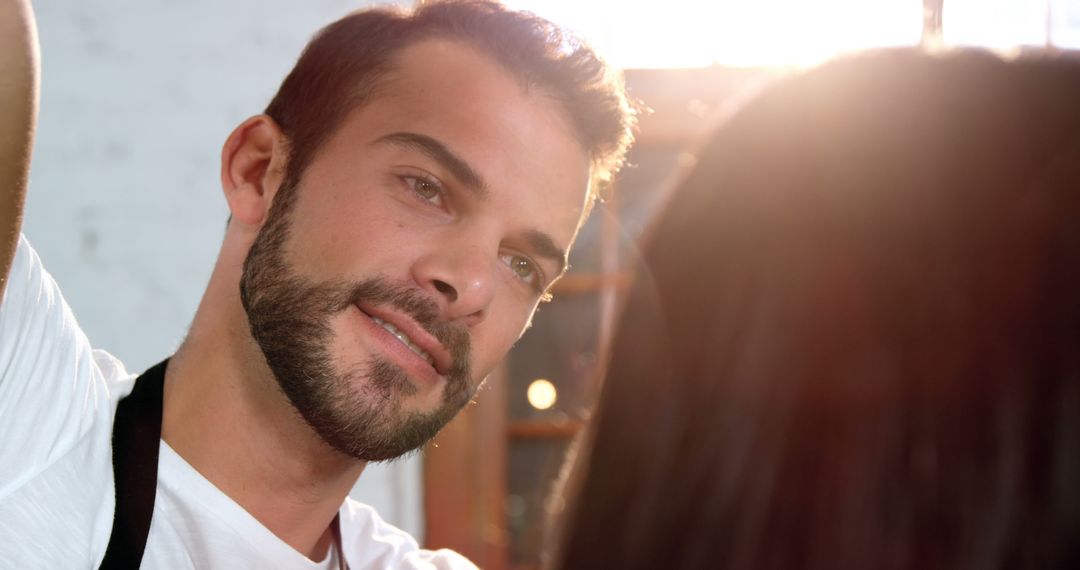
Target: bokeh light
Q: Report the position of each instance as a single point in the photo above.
(542, 394)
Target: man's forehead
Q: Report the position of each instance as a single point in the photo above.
(444, 98)
(454, 63)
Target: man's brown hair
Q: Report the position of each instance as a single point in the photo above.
(343, 64)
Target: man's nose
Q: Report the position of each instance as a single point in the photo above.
(461, 276)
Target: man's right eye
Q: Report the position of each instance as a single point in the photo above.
(428, 190)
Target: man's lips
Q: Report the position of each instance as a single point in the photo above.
(410, 333)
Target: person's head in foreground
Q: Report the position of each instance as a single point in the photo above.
(856, 342)
(408, 198)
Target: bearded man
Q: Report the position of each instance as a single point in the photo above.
(396, 214)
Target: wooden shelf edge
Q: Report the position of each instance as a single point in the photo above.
(539, 429)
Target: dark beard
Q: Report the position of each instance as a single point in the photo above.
(359, 411)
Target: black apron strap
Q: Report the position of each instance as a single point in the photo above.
(136, 439)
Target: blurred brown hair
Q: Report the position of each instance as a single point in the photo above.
(855, 342)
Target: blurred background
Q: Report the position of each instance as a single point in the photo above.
(126, 211)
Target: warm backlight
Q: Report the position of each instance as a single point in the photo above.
(685, 33)
(797, 33)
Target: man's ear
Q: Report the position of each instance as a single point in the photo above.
(252, 168)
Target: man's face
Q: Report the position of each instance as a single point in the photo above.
(422, 237)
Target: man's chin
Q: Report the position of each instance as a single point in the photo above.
(386, 443)
(375, 412)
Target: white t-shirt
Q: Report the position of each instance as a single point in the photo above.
(57, 401)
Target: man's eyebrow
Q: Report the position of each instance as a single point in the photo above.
(544, 246)
(444, 156)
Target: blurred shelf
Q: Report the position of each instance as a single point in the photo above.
(582, 283)
(540, 429)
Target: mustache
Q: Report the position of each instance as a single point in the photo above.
(421, 307)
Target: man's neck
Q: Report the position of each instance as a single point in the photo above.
(225, 416)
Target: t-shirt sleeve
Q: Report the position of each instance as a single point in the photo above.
(371, 542)
(51, 389)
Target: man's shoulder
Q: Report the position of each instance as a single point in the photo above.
(35, 314)
(371, 542)
(119, 379)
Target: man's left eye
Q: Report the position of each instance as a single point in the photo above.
(525, 269)
(522, 266)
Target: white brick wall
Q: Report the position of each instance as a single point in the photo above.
(125, 206)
